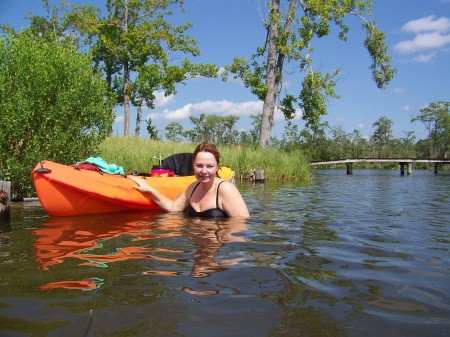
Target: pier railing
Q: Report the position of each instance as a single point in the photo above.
(402, 162)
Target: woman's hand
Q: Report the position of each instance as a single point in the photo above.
(142, 184)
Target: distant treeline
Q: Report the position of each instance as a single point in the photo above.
(325, 142)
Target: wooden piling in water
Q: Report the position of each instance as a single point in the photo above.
(259, 175)
(5, 200)
(410, 165)
(349, 168)
(402, 169)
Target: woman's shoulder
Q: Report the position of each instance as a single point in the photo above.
(231, 201)
(191, 187)
(226, 186)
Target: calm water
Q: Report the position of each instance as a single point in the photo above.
(362, 255)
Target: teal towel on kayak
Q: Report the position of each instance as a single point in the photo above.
(104, 166)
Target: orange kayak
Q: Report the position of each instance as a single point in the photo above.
(65, 191)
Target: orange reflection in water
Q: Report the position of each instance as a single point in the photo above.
(86, 284)
(62, 238)
(73, 237)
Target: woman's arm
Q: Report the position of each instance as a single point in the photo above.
(231, 201)
(169, 205)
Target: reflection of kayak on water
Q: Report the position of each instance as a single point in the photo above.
(76, 237)
(66, 191)
(64, 238)
(84, 239)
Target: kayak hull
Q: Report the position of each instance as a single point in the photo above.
(65, 191)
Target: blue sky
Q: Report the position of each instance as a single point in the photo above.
(417, 32)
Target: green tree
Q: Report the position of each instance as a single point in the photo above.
(382, 136)
(436, 118)
(291, 31)
(214, 129)
(151, 129)
(174, 132)
(53, 106)
(51, 26)
(341, 144)
(256, 128)
(136, 37)
(407, 145)
(291, 135)
(359, 144)
(315, 142)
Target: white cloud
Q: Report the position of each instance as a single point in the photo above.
(209, 107)
(181, 113)
(219, 108)
(161, 100)
(226, 107)
(425, 58)
(361, 126)
(406, 108)
(427, 24)
(399, 90)
(424, 41)
(431, 34)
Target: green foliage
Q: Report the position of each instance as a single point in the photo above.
(436, 118)
(136, 154)
(213, 129)
(252, 75)
(251, 136)
(138, 48)
(382, 136)
(174, 132)
(315, 89)
(151, 129)
(54, 106)
(291, 31)
(382, 73)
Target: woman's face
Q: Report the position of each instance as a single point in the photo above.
(205, 167)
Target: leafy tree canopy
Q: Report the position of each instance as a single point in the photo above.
(292, 28)
(138, 48)
(54, 105)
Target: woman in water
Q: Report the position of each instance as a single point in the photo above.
(209, 196)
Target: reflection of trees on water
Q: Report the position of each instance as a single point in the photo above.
(302, 245)
(290, 232)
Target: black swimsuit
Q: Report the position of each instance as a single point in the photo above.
(209, 213)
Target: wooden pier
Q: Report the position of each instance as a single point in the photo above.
(402, 162)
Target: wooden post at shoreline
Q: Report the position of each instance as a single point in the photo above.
(349, 168)
(259, 175)
(256, 175)
(5, 200)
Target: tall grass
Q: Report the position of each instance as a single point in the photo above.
(136, 154)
